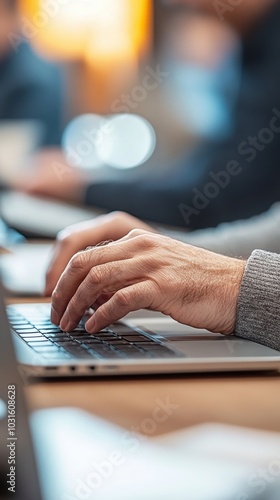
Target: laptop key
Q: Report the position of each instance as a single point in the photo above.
(74, 348)
(66, 343)
(37, 340)
(43, 321)
(30, 336)
(51, 330)
(122, 330)
(40, 343)
(82, 354)
(130, 346)
(101, 348)
(58, 338)
(79, 329)
(117, 342)
(27, 330)
(82, 341)
(13, 318)
(137, 338)
(84, 336)
(22, 326)
(57, 335)
(88, 340)
(108, 340)
(90, 344)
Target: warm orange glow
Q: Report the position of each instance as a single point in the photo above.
(93, 30)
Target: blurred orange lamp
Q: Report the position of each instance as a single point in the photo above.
(98, 32)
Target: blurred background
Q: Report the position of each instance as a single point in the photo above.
(103, 50)
(171, 63)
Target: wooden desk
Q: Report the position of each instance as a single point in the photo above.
(239, 400)
(246, 400)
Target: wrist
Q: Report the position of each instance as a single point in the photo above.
(232, 290)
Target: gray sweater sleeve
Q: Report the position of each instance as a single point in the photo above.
(258, 309)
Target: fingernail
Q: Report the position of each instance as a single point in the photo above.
(90, 325)
(64, 321)
(66, 328)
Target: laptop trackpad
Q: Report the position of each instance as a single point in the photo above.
(171, 330)
(198, 343)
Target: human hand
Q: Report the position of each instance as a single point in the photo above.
(48, 174)
(144, 270)
(77, 237)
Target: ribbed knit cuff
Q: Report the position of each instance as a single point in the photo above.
(258, 308)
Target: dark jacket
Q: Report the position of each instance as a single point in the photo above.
(30, 89)
(232, 179)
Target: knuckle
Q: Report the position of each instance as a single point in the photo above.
(95, 277)
(118, 215)
(122, 298)
(148, 240)
(68, 239)
(103, 314)
(76, 263)
(64, 237)
(73, 308)
(56, 297)
(135, 232)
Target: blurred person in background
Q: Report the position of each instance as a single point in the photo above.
(222, 180)
(30, 88)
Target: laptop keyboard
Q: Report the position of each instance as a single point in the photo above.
(118, 341)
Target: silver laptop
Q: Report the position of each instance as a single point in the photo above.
(18, 140)
(143, 343)
(67, 454)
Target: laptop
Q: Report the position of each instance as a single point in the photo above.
(68, 454)
(143, 343)
(41, 217)
(23, 268)
(18, 140)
